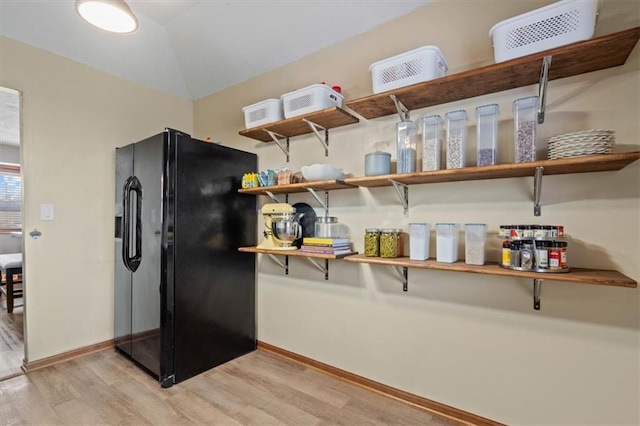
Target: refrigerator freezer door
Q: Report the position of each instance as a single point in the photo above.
(122, 319)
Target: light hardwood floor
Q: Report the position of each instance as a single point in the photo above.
(11, 339)
(257, 389)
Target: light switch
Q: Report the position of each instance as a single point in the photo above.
(46, 211)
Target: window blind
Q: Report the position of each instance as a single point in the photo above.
(10, 197)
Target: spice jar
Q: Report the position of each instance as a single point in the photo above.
(526, 255)
(542, 255)
(555, 255)
(563, 255)
(528, 231)
(372, 242)
(506, 253)
(389, 239)
(539, 232)
(515, 254)
(517, 231)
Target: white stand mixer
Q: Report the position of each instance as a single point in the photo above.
(281, 228)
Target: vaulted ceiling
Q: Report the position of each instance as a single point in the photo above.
(191, 48)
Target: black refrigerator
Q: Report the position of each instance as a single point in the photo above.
(184, 295)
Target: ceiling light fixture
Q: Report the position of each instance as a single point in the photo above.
(110, 15)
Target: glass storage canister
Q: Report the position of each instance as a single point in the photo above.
(487, 132)
(327, 227)
(390, 243)
(372, 242)
(432, 126)
(525, 118)
(407, 134)
(456, 126)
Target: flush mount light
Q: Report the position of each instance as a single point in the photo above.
(110, 15)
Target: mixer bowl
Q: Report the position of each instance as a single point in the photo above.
(285, 231)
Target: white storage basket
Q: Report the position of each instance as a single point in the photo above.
(310, 99)
(415, 66)
(557, 24)
(264, 112)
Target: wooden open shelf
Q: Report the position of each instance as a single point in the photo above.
(592, 163)
(328, 118)
(578, 58)
(324, 185)
(295, 253)
(576, 275)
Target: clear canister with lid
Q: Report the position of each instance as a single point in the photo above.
(525, 112)
(372, 242)
(327, 227)
(487, 132)
(456, 126)
(407, 134)
(475, 235)
(390, 242)
(432, 126)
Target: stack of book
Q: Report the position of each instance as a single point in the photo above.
(333, 246)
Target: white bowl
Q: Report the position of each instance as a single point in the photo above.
(321, 172)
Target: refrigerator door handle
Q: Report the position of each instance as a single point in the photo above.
(132, 262)
(126, 222)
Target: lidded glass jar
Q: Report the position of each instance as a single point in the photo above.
(372, 242)
(391, 242)
(327, 227)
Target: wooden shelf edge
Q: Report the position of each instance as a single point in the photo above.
(329, 118)
(599, 53)
(586, 164)
(576, 275)
(296, 253)
(293, 188)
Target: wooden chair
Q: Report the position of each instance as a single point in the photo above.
(11, 266)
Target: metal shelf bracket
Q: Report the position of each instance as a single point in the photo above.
(403, 111)
(404, 276)
(315, 128)
(542, 88)
(402, 194)
(324, 268)
(537, 287)
(537, 191)
(284, 265)
(272, 196)
(325, 204)
(280, 140)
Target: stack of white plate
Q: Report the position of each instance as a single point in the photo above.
(578, 144)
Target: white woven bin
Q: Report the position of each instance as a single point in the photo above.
(555, 25)
(415, 66)
(310, 99)
(264, 112)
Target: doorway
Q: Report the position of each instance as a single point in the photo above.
(11, 323)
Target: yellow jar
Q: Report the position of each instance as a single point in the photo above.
(372, 242)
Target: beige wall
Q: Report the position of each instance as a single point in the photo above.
(73, 118)
(473, 342)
